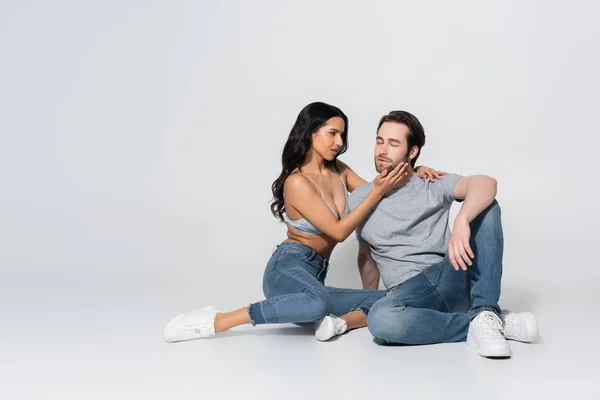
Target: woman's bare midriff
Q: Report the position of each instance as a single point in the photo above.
(322, 244)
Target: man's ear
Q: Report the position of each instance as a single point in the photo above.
(413, 152)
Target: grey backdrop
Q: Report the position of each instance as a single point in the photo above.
(139, 140)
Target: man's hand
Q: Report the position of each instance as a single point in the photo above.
(459, 250)
(478, 193)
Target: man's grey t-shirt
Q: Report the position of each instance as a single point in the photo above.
(408, 229)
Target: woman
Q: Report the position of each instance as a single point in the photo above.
(310, 195)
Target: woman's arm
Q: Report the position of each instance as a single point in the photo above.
(353, 180)
(300, 194)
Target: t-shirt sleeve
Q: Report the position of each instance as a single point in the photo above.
(444, 188)
(357, 196)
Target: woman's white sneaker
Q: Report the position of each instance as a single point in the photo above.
(329, 327)
(521, 327)
(486, 336)
(189, 326)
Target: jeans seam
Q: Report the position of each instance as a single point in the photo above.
(443, 299)
(436, 286)
(272, 266)
(425, 293)
(282, 271)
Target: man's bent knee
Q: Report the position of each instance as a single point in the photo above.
(387, 324)
(493, 210)
(490, 217)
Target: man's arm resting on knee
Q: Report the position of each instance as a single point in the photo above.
(369, 273)
(478, 192)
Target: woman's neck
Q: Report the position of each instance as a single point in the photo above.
(313, 164)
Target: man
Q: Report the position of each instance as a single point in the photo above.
(442, 287)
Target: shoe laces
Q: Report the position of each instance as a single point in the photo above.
(511, 326)
(491, 324)
(198, 329)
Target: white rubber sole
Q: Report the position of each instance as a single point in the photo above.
(489, 351)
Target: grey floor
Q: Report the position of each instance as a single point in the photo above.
(139, 140)
(101, 338)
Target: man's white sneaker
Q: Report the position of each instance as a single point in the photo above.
(521, 327)
(329, 327)
(485, 335)
(194, 325)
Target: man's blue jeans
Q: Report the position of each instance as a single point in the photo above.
(437, 305)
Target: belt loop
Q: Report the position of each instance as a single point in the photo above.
(313, 255)
(324, 268)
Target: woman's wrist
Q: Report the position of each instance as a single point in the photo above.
(376, 193)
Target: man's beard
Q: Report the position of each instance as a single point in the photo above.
(391, 167)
